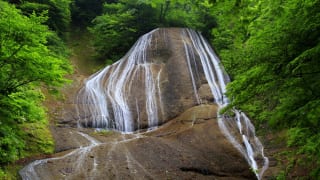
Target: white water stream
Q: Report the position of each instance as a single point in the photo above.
(249, 145)
(33, 170)
(30, 172)
(110, 107)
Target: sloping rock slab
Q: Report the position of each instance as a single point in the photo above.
(190, 146)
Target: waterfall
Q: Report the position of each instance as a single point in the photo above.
(109, 107)
(232, 127)
(132, 93)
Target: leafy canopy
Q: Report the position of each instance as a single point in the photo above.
(271, 49)
(27, 62)
(124, 21)
(58, 12)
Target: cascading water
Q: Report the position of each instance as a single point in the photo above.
(31, 171)
(252, 147)
(109, 107)
(134, 92)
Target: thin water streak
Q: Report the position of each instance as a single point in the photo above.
(217, 81)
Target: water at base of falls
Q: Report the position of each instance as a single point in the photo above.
(133, 93)
(30, 172)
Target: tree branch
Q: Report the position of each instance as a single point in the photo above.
(12, 87)
(306, 73)
(6, 60)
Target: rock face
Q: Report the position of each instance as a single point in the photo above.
(190, 146)
(166, 72)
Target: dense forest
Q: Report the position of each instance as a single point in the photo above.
(269, 48)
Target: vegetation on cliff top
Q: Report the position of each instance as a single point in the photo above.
(122, 23)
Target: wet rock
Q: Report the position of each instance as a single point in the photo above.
(161, 77)
(205, 94)
(175, 150)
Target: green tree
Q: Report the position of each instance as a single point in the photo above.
(123, 22)
(58, 11)
(26, 64)
(271, 49)
(84, 11)
(119, 27)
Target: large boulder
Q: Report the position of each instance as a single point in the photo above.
(159, 78)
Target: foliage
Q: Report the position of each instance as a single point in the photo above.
(10, 172)
(103, 132)
(29, 59)
(195, 14)
(271, 49)
(281, 176)
(23, 50)
(39, 138)
(123, 22)
(117, 29)
(308, 144)
(84, 11)
(59, 12)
